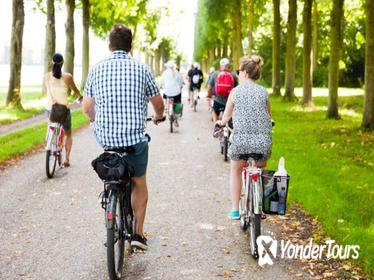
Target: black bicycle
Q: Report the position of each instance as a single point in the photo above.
(112, 168)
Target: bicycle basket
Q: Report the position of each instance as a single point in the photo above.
(179, 108)
(112, 166)
(274, 199)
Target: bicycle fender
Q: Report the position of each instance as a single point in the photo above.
(110, 212)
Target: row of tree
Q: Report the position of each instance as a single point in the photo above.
(236, 28)
(99, 16)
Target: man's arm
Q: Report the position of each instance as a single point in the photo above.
(88, 106)
(158, 107)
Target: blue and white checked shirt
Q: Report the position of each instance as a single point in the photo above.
(121, 87)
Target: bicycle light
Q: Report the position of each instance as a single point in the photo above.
(109, 216)
(255, 177)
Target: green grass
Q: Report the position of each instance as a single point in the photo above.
(25, 140)
(331, 164)
(32, 103)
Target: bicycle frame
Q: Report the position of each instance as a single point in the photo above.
(171, 108)
(54, 137)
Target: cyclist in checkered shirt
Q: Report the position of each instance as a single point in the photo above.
(117, 92)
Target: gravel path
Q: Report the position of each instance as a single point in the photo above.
(54, 229)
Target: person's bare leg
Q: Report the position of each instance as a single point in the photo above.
(215, 117)
(236, 167)
(139, 201)
(68, 144)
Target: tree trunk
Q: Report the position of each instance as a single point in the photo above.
(157, 62)
(50, 36)
(211, 57)
(225, 49)
(69, 31)
(14, 91)
(86, 41)
(368, 116)
(276, 48)
(315, 35)
(237, 42)
(251, 19)
(307, 47)
(152, 65)
(335, 54)
(291, 54)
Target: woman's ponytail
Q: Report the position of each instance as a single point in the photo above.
(57, 61)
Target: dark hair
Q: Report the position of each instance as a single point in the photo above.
(252, 65)
(120, 38)
(57, 61)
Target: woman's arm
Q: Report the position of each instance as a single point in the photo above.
(70, 83)
(227, 115)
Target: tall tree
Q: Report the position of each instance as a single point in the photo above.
(314, 34)
(86, 40)
(335, 55)
(251, 22)
(14, 91)
(276, 48)
(368, 116)
(50, 35)
(237, 42)
(307, 47)
(291, 53)
(69, 33)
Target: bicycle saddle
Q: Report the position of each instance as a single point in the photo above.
(253, 156)
(121, 150)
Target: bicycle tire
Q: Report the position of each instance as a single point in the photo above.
(195, 105)
(254, 228)
(50, 168)
(243, 221)
(225, 148)
(171, 124)
(115, 232)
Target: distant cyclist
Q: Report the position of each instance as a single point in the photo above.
(196, 78)
(210, 97)
(172, 83)
(59, 85)
(249, 107)
(220, 86)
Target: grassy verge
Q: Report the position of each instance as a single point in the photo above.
(17, 143)
(32, 103)
(331, 164)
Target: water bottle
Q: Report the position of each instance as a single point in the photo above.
(274, 199)
(281, 177)
(282, 202)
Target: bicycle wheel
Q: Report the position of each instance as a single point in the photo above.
(254, 226)
(171, 123)
(115, 240)
(225, 148)
(50, 164)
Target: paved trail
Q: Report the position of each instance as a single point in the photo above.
(54, 229)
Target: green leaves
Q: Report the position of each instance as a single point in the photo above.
(106, 13)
